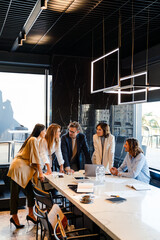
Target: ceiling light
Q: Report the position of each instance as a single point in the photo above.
(131, 89)
(101, 60)
(67, 5)
(43, 4)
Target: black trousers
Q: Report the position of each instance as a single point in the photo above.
(15, 189)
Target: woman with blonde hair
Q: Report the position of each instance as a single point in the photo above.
(104, 146)
(50, 144)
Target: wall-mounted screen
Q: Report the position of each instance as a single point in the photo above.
(105, 72)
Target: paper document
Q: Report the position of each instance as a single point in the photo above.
(85, 187)
(139, 186)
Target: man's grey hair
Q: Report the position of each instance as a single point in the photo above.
(75, 125)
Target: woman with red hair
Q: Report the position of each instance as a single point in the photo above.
(51, 144)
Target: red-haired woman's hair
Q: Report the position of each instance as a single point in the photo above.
(51, 135)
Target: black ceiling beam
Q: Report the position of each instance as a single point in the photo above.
(24, 59)
(29, 23)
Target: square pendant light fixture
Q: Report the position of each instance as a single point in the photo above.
(133, 89)
(105, 72)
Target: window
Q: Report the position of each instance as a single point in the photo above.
(151, 133)
(22, 105)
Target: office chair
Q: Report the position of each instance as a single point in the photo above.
(58, 232)
(119, 151)
(45, 201)
(58, 198)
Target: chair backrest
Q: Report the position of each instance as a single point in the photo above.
(43, 197)
(42, 216)
(61, 230)
(119, 151)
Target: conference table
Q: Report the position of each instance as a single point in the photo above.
(137, 218)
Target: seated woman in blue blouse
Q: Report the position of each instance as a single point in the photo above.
(135, 162)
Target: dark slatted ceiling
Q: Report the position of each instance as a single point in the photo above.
(77, 27)
(17, 13)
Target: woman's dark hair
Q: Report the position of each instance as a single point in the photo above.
(105, 127)
(38, 128)
(134, 148)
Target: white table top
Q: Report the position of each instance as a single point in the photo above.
(137, 218)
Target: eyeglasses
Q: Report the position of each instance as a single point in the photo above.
(72, 131)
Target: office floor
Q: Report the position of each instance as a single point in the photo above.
(9, 232)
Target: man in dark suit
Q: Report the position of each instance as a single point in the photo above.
(73, 144)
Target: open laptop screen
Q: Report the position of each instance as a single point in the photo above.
(90, 170)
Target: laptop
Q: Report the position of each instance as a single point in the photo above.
(90, 169)
(74, 188)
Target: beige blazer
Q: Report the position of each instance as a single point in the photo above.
(108, 151)
(23, 167)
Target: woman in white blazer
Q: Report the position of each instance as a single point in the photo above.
(104, 146)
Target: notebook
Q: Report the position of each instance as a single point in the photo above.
(116, 199)
(90, 170)
(139, 186)
(85, 187)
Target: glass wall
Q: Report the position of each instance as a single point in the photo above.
(22, 105)
(49, 100)
(141, 121)
(150, 133)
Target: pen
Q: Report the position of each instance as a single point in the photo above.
(114, 195)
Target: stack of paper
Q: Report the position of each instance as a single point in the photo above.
(139, 186)
(85, 187)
